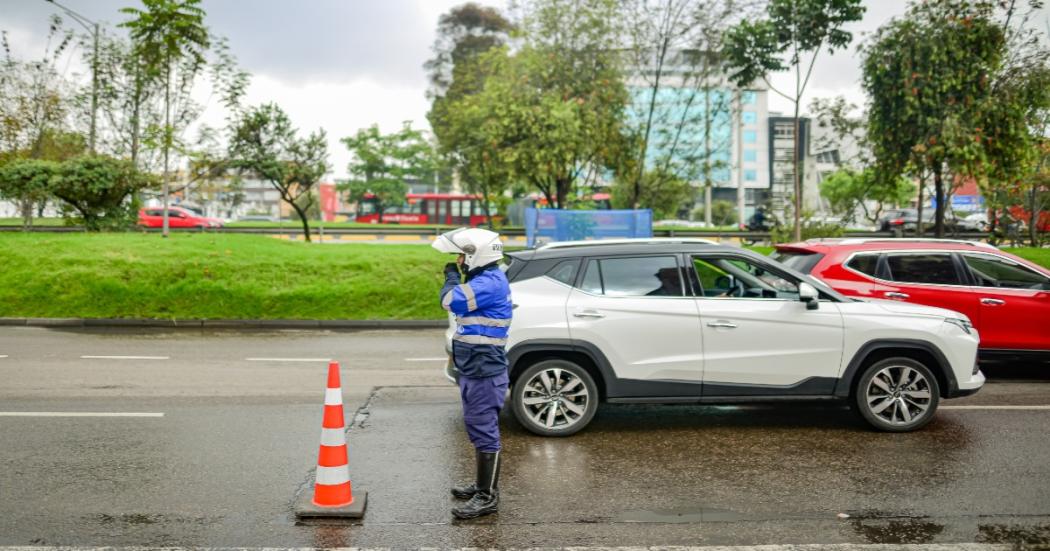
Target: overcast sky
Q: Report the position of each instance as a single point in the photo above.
(342, 65)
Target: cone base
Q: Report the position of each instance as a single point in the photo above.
(305, 507)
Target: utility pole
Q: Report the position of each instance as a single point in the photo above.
(92, 28)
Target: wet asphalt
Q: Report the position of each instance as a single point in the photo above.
(238, 441)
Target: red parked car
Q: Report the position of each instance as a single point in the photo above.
(178, 217)
(1006, 298)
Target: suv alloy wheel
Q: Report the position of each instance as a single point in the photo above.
(897, 395)
(555, 398)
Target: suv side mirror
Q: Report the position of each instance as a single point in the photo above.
(808, 294)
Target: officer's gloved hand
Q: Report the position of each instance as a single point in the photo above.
(451, 269)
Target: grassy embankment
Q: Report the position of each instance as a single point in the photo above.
(217, 276)
(214, 276)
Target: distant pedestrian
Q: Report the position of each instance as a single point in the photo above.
(483, 309)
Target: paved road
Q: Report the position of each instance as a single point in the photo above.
(238, 436)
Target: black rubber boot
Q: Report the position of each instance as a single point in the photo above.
(467, 491)
(485, 500)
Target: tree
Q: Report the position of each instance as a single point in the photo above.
(464, 33)
(382, 162)
(675, 56)
(100, 189)
(793, 30)
(845, 130)
(170, 40)
(263, 142)
(35, 100)
(929, 79)
(1019, 142)
(662, 192)
(848, 191)
(474, 148)
(463, 124)
(27, 182)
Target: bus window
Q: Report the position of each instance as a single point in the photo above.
(366, 206)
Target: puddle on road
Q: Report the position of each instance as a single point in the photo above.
(898, 531)
(1008, 533)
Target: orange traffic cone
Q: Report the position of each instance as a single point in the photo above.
(333, 495)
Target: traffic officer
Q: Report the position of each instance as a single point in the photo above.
(482, 308)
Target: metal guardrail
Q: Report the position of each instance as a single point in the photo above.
(510, 232)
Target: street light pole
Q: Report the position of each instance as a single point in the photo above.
(91, 27)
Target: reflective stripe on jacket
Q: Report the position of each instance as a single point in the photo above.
(483, 312)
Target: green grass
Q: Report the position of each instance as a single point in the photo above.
(226, 276)
(1032, 254)
(213, 276)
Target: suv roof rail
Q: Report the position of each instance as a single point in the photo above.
(862, 240)
(567, 244)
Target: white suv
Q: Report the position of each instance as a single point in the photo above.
(694, 322)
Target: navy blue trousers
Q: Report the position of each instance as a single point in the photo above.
(482, 401)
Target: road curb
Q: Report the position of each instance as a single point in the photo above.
(223, 323)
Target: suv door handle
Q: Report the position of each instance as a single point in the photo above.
(722, 324)
(894, 294)
(992, 301)
(588, 314)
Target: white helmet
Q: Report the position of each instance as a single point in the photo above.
(482, 247)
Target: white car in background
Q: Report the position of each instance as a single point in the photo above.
(688, 321)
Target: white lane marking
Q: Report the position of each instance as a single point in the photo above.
(77, 414)
(288, 359)
(445, 359)
(2, 356)
(125, 358)
(1020, 408)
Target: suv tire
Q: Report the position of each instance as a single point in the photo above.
(896, 395)
(555, 398)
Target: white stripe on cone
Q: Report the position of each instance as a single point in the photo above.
(333, 437)
(333, 476)
(333, 397)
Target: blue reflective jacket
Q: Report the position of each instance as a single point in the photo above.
(483, 311)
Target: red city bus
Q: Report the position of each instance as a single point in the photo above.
(427, 208)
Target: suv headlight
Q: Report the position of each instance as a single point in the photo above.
(963, 324)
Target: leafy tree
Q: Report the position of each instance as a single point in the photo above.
(562, 94)
(27, 182)
(934, 109)
(463, 124)
(382, 162)
(35, 99)
(100, 189)
(170, 41)
(792, 31)
(464, 33)
(473, 147)
(848, 191)
(723, 213)
(131, 117)
(662, 192)
(264, 143)
(678, 85)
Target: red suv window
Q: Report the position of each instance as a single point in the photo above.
(931, 268)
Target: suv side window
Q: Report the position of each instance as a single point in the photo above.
(993, 271)
(564, 271)
(867, 264)
(932, 268)
(654, 276)
(739, 278)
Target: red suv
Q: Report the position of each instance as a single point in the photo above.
(178, 217)
(1007, 298)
